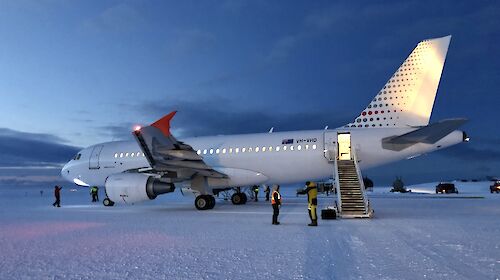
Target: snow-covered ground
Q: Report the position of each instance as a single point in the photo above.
(414, 236)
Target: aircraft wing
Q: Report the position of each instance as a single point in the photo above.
(428, 134)
(169, 157)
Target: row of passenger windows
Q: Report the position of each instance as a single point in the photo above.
(121, 155)
(257, 149)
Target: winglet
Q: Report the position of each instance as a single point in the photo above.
(163, 124)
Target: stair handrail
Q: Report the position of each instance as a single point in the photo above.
(337, 181)
(360, 179)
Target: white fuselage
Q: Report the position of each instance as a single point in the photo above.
(261, 158)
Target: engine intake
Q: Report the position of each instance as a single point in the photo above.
(135, 187)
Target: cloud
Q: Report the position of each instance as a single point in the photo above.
(23, 149)
(468, 152)
(122, 17)
(191, 41)
(221, 116)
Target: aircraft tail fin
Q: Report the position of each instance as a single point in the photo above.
(408, 96)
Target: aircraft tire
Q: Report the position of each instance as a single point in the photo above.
(237, 198)
(211, 201)
(107, 202)
(202, 202)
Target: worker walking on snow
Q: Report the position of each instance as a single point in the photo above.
(276, 203)
(57, 194)
(312, 199)
(256, 192)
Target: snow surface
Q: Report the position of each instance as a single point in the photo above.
(413, 236)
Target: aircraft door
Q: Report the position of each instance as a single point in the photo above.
(344, 146)
(330, 139)
(94, 157)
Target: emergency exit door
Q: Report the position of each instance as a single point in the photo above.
(94, 157)
(344, 146)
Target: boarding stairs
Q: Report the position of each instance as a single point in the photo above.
(352, 200)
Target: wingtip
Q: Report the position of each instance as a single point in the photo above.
(163, 124)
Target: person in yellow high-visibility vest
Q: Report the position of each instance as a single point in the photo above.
(312, 199)
(276, 203)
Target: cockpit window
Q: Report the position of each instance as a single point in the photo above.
(77, 156)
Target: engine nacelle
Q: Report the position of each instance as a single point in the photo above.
(135, 187)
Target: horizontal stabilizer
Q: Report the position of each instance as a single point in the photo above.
(428, 134)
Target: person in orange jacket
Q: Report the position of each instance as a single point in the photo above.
(276, 203)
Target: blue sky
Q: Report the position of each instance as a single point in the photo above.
(75, 73)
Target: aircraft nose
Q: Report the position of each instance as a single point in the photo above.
(65, 172)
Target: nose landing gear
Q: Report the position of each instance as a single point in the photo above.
(107, 202)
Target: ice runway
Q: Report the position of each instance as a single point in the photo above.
(411, 237)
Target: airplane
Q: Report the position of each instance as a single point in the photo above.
(394, 126)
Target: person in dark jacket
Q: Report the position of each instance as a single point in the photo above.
(57, 194)
(312, 200)
(267, 190)
(276, 203)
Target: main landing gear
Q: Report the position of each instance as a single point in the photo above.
(239, 198)
(204, 202)
(108, 202)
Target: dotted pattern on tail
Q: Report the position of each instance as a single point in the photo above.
(396, 98)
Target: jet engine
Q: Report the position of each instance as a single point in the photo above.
(135, 187)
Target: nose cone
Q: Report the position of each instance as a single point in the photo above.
(65, 172)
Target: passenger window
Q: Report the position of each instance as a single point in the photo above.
(284, 148)
(263, 149)
(132, 154)
(291, 148)
(277, 148)
(307, 147)
(211, 151)
(299, 147)
(198, 152)
(270, 148)
(116, 155)
(126, 155)
(121, 155)
(205, 151)
(256, 149)
(314, 147)
(138, 154)
(217, 151)
(224, 150)
(237, 150)
(230, 150)
(243, 150)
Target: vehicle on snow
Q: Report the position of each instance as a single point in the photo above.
(495, 187)
(446, 188)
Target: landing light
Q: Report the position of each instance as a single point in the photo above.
(467, 139)
(137, 128)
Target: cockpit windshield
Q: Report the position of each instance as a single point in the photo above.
(77, 156)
